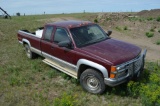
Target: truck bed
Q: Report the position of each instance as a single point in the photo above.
(38, 33)
(33, 39)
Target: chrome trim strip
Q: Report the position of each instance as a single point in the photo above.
(59, 60)
(36, 50)
(94, 65)
(69, 72)
(81, 61)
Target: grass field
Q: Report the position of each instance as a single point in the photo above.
(26, 82)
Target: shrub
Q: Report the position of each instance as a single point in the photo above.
(152, 29)
(108, 19)
(158, 19)
(133, 88)
(118, 28)
(125, 28)
(158, 42)
(133, 18)
(159, 30)
(66, 100)
(149, 34)
(150, 18)
(96, 20)
(148, 90)
(150, 95)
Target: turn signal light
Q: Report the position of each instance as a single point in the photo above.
(113, 69)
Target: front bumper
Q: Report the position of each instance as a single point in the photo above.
(132, 68)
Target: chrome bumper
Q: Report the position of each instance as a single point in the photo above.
(132, 68)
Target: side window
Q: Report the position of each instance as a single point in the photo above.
(60, 35)
(48, 33)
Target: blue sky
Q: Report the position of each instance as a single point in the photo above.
(73, 6)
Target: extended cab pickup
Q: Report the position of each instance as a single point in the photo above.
(83, 50)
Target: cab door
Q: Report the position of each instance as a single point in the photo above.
(65, 56)
(46, 42)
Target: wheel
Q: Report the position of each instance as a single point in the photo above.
(92, 81)
(29, 53)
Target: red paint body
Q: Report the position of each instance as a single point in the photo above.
(106, 53)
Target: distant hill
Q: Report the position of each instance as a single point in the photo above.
(149, 13)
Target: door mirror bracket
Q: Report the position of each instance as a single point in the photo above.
(67, 44)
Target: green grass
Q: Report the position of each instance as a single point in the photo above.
(31, 82)
(140, 19)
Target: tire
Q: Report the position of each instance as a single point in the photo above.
(29, 53)
(92, 81)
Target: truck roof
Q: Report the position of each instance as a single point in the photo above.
(71, 23)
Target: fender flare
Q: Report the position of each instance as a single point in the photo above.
(26, 41)
(97, 66)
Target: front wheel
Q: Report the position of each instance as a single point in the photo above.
(92, 81)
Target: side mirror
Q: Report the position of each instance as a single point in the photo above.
(67, 44)
(109, 33)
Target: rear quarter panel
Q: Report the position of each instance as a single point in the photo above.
(34, 41)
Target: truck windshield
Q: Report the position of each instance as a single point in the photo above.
(86, 35)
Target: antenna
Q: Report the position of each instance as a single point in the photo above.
(5, 13)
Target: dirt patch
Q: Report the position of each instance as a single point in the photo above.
(57, 19)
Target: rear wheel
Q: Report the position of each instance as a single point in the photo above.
(29, 53)
(92, 81)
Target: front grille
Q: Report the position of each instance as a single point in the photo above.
(135, 65)
(130, 67)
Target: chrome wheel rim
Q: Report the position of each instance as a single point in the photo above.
(92, 83)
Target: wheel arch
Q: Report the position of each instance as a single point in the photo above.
(84, 64)
(25, 41)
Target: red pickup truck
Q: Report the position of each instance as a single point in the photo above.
(83, 50)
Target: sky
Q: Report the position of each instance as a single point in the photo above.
(31, 7)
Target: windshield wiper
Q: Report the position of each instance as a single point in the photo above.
(94, 41)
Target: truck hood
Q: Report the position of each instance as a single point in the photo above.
(114, 51)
